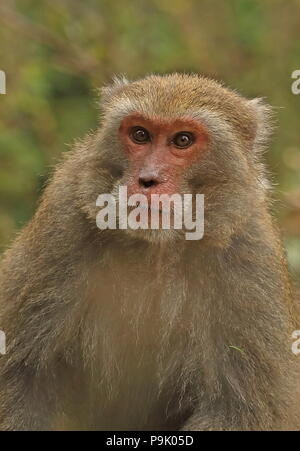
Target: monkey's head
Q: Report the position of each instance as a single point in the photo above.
(180, 134)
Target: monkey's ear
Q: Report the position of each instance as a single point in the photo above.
(107, 92)
(264, 122)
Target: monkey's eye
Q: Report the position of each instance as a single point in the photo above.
(182, 140)
(139, 135)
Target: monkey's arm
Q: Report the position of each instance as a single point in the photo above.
(42, 278)
(250, 374)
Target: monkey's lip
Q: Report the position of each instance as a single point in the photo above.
(149, 208)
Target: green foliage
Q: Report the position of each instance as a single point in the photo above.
(56, 53)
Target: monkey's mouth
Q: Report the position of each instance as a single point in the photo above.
(151, 209)
(151, 217)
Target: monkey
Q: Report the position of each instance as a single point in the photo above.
(135, 329)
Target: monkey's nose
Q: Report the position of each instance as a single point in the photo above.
(148, 182)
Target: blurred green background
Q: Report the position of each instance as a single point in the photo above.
(56, 53)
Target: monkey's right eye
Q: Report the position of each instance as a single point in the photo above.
(139, 135)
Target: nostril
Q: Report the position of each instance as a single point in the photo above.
(147, 182)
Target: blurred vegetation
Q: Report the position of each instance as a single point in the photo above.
(55, 53)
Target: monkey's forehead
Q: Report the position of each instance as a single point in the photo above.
(179, 96)
(170, 94)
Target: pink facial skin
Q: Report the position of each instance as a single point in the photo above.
(157, 165)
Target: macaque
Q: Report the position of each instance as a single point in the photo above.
(142, 329)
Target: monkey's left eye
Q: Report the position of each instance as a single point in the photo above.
(139, 135)
(182, 140)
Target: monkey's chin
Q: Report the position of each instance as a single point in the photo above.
(155, 236)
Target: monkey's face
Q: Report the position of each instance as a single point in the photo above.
(172, 135)
(159, 153)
